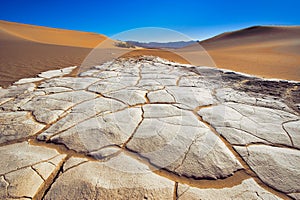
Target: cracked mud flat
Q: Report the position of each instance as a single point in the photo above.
(149, 129)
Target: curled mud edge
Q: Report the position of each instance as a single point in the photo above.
(42, 191)
(60, 148)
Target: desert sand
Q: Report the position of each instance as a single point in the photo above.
(54, 36)
(271, 52)
(20, 57)
(27, 50)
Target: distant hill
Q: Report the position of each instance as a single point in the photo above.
(157, 45)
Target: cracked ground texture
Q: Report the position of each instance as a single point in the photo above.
(147, 128)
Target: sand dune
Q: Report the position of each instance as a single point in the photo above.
(267, 51)
(52, 35)
(27, 50)
(21, 58)
(253, 35)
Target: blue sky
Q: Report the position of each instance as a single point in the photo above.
(197, 19)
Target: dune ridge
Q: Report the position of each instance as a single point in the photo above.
(55, 36)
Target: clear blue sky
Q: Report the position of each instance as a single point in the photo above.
(198, 19)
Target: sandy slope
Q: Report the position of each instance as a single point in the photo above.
(272, 52)
(21, 58)
(52, 35)
(26, 50)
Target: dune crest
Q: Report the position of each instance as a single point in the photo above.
(52, 35)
